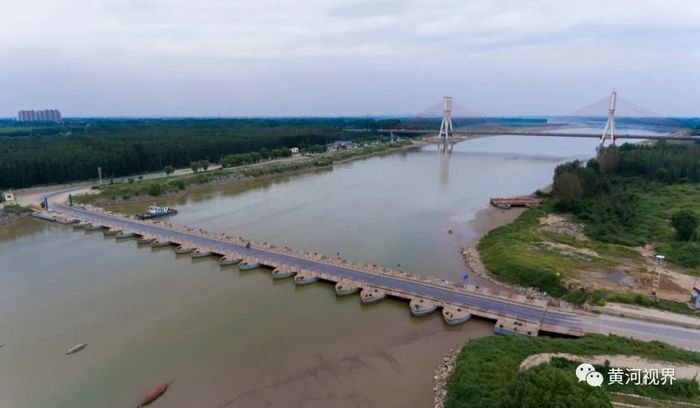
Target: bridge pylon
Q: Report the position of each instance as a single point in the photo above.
(446, 132)
(610, 124)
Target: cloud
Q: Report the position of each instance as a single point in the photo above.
(156, 44)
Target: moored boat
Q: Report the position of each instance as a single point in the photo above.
(304, 278)
(93, 227)
(280, 274)
(155, 212)
(245, 265)
(183, 250)
(228, 260)
(160, 243)
(371, 295)
(454, 315)
(422, 307)
(344, 288)
(124, 235)
(154, 394)
(200, 254)
(111, 231)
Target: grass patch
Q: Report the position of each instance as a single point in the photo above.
(14, 209)
(486, 373)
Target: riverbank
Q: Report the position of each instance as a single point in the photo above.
(599, 243)
(12, 213)
(177, 186)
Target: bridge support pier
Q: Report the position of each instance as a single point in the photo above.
(610, 124)
(446, 126)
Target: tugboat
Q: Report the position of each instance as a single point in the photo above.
(154, 212)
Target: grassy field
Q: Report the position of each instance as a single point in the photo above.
(487, 373)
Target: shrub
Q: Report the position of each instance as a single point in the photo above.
(154, 189)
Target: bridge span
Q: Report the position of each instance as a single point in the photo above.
(458, 302)
(463, 134)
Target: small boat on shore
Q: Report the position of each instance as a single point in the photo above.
(93, 227)
(155, 212)
(80, 225)
(144, 241)
(125, 235)
(227, 260)
(110, 231)
(160, 243)
(76, 348)
(154, 394)
(245, 265)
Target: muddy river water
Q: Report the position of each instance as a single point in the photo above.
(237, 338)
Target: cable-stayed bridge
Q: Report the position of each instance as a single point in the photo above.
(620, 114)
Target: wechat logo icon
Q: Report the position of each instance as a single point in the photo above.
(586, 372)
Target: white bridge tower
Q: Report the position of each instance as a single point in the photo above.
(610, 125)
(446, 126)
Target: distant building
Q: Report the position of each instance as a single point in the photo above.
(343, 144)
(9, 196)
(46, 115)
(294, 150)
(695, 297)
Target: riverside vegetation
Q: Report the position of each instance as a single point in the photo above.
(234, 167)
(487, 373)
(627, 197)
(33, 154)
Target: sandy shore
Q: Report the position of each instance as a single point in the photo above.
(490, 218)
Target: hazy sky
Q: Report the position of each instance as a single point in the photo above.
(257, 57)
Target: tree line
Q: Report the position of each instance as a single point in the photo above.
(73, 151)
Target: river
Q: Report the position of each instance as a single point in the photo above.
(239, 339)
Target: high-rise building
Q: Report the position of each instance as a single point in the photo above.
(46, 115)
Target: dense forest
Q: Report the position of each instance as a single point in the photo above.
(47, 154)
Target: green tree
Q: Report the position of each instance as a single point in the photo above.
(589, 180)
(609, 159)
(685, 222)
(593, 164)
(169, 169)
(204, 165)
(194, 166)
(154, 189)
(567, 187)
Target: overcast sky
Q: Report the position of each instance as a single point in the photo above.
(295, 57)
